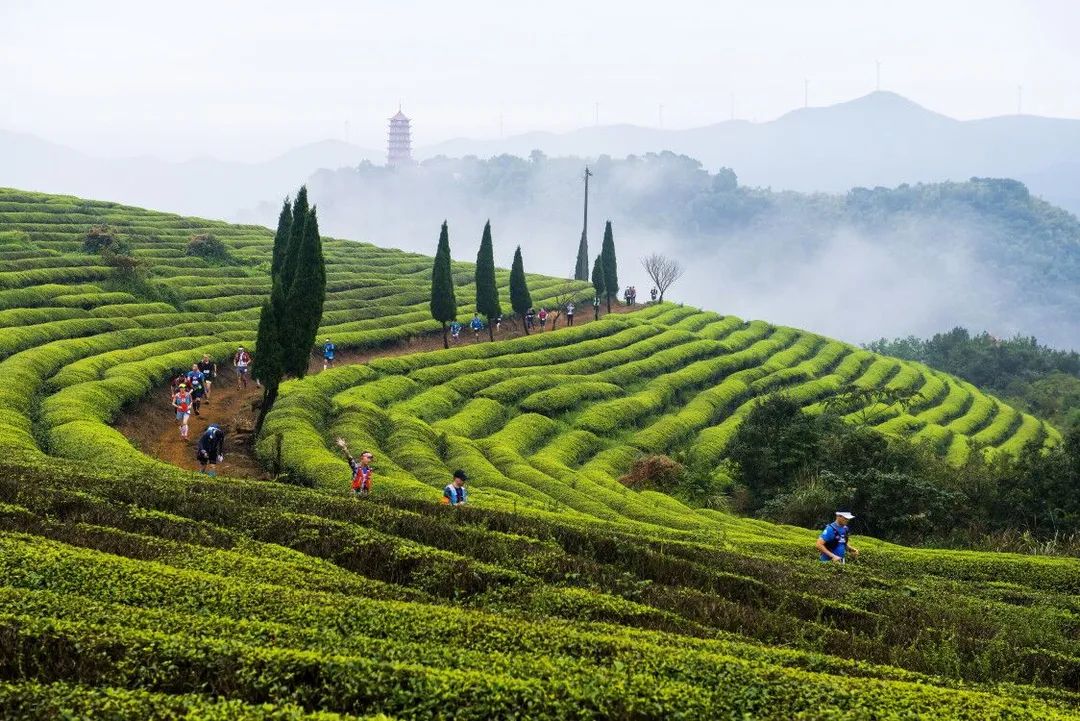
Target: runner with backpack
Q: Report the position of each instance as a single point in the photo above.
(182, 403)
(210, 449)
(195, 380)
(455, 494)
(361, 478)
(209, 369)
(328, 351)
(832, 544)
(242, 363)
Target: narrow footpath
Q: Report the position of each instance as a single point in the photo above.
(151, 424)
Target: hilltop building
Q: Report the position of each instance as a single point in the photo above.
(399, 141)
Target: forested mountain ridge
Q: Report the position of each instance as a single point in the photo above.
(984, 252)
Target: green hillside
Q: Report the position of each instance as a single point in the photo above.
(133, 589)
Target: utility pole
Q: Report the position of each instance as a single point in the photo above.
(588, 174)
(581, 267)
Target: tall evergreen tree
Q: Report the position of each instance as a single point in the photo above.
(281, 237)
(304, 301)
(598, 282)
(267, 365)
(520, 299)
(611, 270)
(296, 238)
(581, 270)
(487, 292)
(290, 317)
(443, 299)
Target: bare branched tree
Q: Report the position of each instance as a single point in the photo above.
(663, 270)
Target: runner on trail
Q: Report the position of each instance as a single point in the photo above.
(570, 313)
(476, 324)
(178, 380)
(832, 544)
(195, 379)
(455, 494)
(652, 294)
(209, 369)
(328, 351)
(210, 450)
(455, 330)
(182, 403)
(542, 316)
(242, 362)
(530, 315)
(361, 479)
(498, 322)
(596, 306)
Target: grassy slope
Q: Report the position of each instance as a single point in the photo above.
(133, 588)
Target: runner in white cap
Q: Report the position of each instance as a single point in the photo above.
(833, 541)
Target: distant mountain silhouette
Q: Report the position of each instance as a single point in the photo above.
(878, 139)
(201, 186)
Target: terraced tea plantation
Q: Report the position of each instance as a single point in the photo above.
(551, 421)
(133, 589)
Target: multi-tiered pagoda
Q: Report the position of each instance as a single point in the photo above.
(399, 141)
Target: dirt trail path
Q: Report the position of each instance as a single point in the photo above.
(151, 424)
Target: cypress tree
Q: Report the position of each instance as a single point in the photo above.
(281, 237)
(487, 292)
(296, 238)
(443, 300)
(520, 299)
(607, 261)
(581, 270)
(266, 367)
(598, 282)
(290, 317)
(304, 301)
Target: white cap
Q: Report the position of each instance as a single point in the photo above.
(845, 514)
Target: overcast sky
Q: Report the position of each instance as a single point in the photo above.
(248, 80)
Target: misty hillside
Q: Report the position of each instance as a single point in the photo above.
(879, 139)
(908, 260)
(204, 186)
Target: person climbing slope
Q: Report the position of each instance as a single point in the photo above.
(477, 325)
(361, 479)
(210, 449)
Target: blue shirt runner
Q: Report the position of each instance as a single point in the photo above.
(835, 537)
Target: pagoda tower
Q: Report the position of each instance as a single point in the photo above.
(399, 141)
